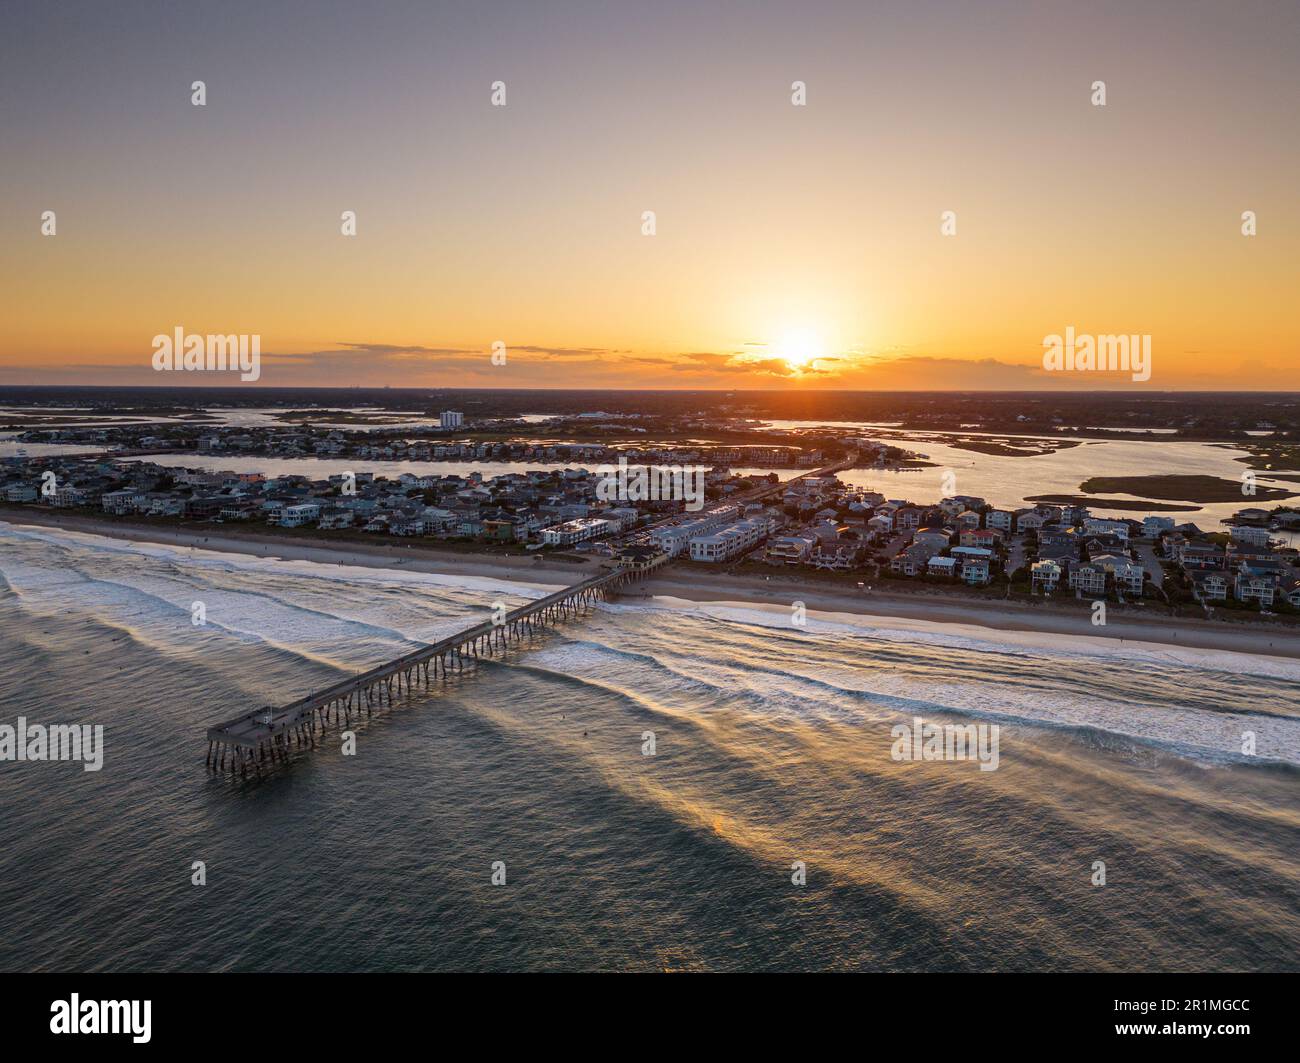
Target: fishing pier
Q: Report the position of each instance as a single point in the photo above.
(268, 735)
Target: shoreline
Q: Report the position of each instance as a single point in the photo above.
(773, 592)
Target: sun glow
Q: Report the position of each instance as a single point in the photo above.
(801, 347)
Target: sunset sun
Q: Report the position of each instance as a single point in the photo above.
(801, 347)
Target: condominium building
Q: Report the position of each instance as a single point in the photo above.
(576, 531)
(730, 540)
(675, 539)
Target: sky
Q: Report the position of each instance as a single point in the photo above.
(794, 246)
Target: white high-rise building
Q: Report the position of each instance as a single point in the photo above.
(451, 419)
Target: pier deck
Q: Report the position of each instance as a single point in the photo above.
(267, 733)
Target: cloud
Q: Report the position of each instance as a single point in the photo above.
(927, 372)
(347, 364)
(392, 348)
(594, 367)
(704, 362)
(372, 351)
(559, 352)
(707, 357)
(771, 366)
(361, 355)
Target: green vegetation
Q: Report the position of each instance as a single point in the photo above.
(1200, 489)
(1266, 457)
(1121, 505)
(1015, 448)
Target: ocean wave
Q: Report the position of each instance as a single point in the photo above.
(842, 667)
(842, 692)
(994, 640)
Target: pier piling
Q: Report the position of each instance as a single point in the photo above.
(269, 734)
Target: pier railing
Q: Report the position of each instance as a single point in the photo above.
(268, 734)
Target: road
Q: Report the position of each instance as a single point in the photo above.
(1015, 554)
(755, 495)
(1146, 554)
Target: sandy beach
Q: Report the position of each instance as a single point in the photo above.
(774, 591)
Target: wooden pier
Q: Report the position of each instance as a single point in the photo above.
(268, 735)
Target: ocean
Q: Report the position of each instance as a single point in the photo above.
(772, 748)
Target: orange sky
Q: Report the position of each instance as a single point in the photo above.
(795, 246)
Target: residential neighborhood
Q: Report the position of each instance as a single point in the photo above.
(814, 523)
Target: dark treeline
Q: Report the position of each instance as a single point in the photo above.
(1192, 414)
